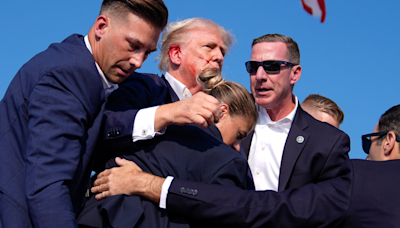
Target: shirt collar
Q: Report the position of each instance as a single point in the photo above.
(284, 122)
(179, 88)
(108, 86)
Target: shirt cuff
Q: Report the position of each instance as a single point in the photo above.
(164, 192)
(143, 125)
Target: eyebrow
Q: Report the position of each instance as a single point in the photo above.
(225, 48)
(136, 40)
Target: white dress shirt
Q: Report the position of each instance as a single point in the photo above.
(266, 149)
(108, 86)
(143, 125)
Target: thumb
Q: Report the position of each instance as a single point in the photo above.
(120, 161)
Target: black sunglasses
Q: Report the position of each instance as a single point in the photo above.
(270, 66)
(366, 140)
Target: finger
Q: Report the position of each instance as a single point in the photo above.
(100, 188)
(102, 195)
(123, 162)
(215, 113)
(120, 161)
(100, 181)
(207, 117)
(200, 120)
(104, 173)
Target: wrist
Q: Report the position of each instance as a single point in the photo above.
(162, 117)
(153, 187)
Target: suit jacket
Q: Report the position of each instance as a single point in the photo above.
(319, 156)
(138, 91)
(187, 152)
(50, 117)
(365, 195)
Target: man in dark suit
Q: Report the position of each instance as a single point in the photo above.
(51, 113)
(182, 58)
(363, 195)
(143, 107)
(288, 147)
(181, 152)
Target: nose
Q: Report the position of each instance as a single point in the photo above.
(236, 146)
(261, 74)
(137, 59)
(218, 56)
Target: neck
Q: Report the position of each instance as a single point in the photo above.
(282, 109)
(187, 80)
(92, 41)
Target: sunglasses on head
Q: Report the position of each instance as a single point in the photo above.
(366, 140)
(270, 66)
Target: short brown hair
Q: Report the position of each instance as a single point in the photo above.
(323, 104)
(153, 11)
(293, 52)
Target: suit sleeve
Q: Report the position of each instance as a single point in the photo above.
(139, 91)
(314, 205)
(56, 134)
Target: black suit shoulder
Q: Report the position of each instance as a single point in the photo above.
(374, 201)
(139, 91)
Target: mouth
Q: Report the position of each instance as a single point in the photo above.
(211, 68)
(124, 73)
(263, 90)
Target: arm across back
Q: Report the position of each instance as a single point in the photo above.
(314, 205)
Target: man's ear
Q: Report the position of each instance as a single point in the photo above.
(101, 25)
(175, 54)
(388, 144)
(295, 75)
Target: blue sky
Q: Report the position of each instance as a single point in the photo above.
(350, 58)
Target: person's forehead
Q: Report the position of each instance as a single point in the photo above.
(205, 33)
(270, 50)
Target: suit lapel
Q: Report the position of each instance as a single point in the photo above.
(246, 143)
(172, 94)
(294, 145)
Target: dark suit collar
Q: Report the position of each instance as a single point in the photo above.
(172, 93)
(213, 130)
(294, 145)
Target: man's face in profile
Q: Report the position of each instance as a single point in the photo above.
(124, 45)
(204, 50)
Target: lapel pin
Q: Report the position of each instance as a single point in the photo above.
(300, 139)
